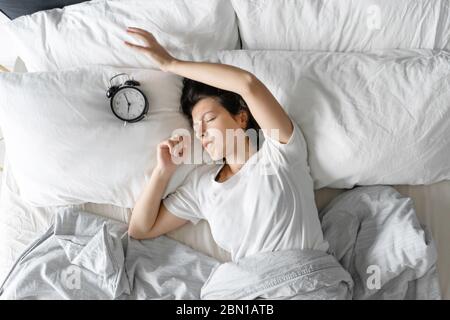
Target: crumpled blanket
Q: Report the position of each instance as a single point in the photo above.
(378, 250)
(376, 236)
(84, 256)
(288, 275)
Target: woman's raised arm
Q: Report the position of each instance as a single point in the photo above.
(262, 104)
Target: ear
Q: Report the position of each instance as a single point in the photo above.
(242, 119)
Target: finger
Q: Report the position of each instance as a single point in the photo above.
(178, 146)
(177, 150)
(137, 34)
(147, 36)
(176, 141)
(186, 138)
(176, 138)
(168, 146)
(135, 46)
(171, 145)
(164, 145)
(184, 152)
(144, 35)
(145, 39)
(138, 30)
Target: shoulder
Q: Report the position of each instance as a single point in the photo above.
(296, 138)
(293, 150)
(200, 174)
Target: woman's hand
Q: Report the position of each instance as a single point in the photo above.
(170, 153)
(151, 47)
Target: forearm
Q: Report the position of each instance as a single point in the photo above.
(263, 106)
(218, 75)
(147, 206)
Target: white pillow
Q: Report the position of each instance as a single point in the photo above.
(66, 145)
(367, 118)
(344, 25)
(8, 54)
(93, 32)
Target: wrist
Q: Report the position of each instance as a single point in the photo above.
(170, 66)
(163, 173)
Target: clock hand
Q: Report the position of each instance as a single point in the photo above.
(129, 104)
(126, 98)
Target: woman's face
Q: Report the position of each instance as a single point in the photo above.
(211, 122)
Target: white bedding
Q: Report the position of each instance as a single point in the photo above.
(343, 25)
(21, 223)
(112, 266)
(8, 53)
(58, 129)
(432, 204)
(365, 116)
(58, 39)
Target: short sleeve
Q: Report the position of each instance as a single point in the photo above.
(183, 202)
(294, 150)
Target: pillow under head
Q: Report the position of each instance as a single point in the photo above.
(66, 146)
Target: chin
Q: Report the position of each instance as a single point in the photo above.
(215, 156)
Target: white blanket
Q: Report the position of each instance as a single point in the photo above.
(84, 256)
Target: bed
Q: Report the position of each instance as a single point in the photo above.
(21, 222)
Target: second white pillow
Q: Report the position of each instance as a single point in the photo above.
(367, 118)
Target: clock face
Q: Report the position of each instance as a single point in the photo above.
(129, 104)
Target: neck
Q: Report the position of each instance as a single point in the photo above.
(240, 156)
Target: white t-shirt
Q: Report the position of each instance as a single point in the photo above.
(268, 205)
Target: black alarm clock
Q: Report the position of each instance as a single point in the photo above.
(128, 102)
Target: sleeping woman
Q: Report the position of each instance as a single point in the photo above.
(248, 211)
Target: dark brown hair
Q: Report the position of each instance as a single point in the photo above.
(194, 91)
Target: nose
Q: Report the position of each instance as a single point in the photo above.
(201, 130)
